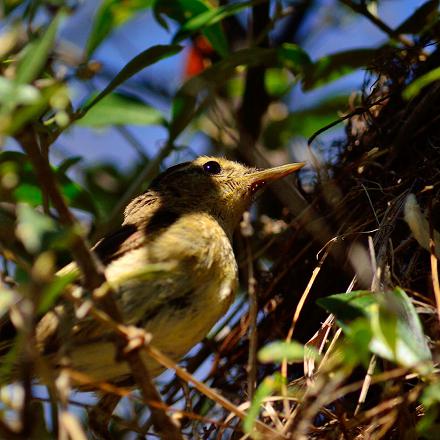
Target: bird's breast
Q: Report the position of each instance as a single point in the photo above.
(181, 303)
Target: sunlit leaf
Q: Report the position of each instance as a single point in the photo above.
(280, 350)
(396, 331)
(414, 88)
(32, 227)
(277, 81)
(136, 64)
(406, 343)
(117, 109)
(33, 111)
(37, 52)
(24, 94)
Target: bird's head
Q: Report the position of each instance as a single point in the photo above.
(220, 187)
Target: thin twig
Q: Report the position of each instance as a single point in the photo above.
(295, 318)
(253, 336)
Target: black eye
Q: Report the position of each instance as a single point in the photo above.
(212, 167)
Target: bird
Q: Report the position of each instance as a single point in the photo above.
(171, 264)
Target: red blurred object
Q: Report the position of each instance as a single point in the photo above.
(199, 56)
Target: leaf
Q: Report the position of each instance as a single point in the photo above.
(280, 350)
(11, 92)
(66, 164)
(32, 227)
(277, 82)
(32, 111)
(404, 344)
(26, 188)
(349, 306)
(332, 67)
(139, 62)
(425, 15)
(7, 299)
(428, 426)
(265, 389)
(111, 14)
(54, 290)
(396, 331)
(116, 109)
(207, 19)
(414, 88)
(37, 52)
(183, 11)
(294, 58)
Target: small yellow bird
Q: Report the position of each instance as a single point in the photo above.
(182, 225)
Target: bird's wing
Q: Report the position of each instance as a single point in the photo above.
(112, 246)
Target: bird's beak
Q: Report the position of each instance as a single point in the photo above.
(260, 178)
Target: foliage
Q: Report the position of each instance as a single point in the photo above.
(367, 364)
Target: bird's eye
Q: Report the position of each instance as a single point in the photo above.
(212, 167)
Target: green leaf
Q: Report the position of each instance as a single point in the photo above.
(431, 395)
(7, 299)
(332, 67)
(208, 18)
(280, 350)
(37, 52)
(32, 111)
(117, 109)
(26, 187)
(66, 164)
(404, 344)
(11, 92)
(205, 21)
(349, 306)
(422, 17)
(294, 58)
(396, 331)
(112, 14)
(265, 389)
(139, 62)
(414, 88)
(183, 11)
(54, 290)
(277, 82)
(32, 227)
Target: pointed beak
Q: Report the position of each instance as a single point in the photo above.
(260, 178)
